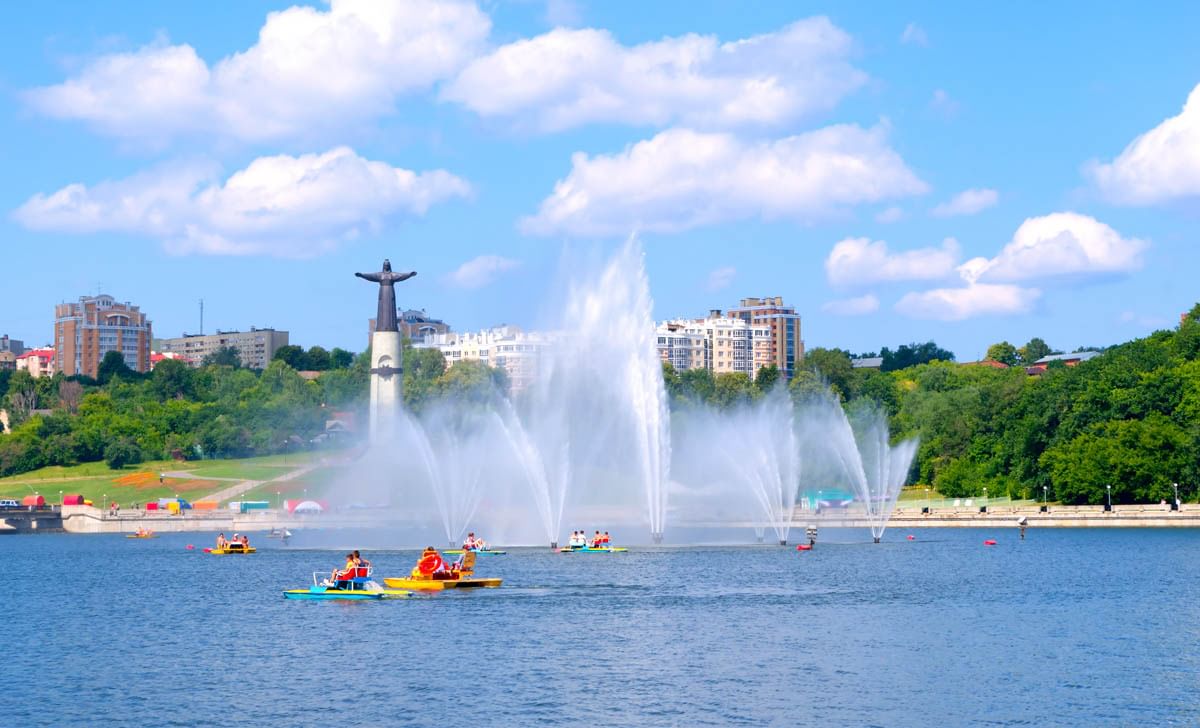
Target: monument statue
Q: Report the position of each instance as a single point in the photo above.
(386, 352)
(385, 318)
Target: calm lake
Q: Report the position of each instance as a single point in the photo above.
(1069, 627)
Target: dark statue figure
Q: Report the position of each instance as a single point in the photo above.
(385, 319)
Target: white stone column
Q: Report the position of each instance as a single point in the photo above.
(386, 383)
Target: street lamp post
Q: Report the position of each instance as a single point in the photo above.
(1176, 487)
(105, 502)
(1108, 489)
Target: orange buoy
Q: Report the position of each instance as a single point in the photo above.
(804, 547)
(989, 542)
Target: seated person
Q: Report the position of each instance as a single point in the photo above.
(470, 543)
(338, 578)
(605, 539)
(596, 542)
(429, 564)
(221, 542)
(245, 541)
(364, 566)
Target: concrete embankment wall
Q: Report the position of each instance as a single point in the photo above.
(86, 519)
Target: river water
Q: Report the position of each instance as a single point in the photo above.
(1069, 627)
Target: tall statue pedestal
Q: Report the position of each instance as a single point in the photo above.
(386, 383)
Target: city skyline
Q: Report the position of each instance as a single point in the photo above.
(991, 194)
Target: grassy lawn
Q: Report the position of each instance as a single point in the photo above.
(317, 483)
(139, 483)
(123, 487)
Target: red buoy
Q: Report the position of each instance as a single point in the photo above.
(190, 547)
(989, 542)
(804, 547)
(911, 537)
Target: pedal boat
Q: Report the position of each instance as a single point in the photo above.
(141, 535)
(437, 583)
(593, 549)
(233, 548)
(361, 588)
(481, 552)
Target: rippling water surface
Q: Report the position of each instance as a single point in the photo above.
(1071, 627)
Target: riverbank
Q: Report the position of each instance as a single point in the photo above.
(1053, 516)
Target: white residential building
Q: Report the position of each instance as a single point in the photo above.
(717, 343)
(504, 347)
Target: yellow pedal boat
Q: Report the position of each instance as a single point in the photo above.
(143, 535)
(412, 584)
(228, 550)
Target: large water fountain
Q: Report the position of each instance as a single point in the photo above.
(591, 440)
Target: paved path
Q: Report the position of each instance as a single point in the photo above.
(247, 485)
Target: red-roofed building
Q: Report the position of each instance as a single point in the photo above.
(38, 362)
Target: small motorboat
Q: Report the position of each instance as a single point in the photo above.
(353, 588)
(232, 548)
(593, 549)
(482, 552)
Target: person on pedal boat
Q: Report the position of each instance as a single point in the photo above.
(221, 542)
(337, 578)
(597, 541)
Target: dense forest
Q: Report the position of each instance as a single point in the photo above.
(1128, 418)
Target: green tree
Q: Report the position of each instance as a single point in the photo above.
(832, 365)
(697, 386)
(1005, 353)
(767, 378)
(732, 389)
(909, 355)
(113, 366)
(317, 359)
(340, 358)
(226, 356)
(293, 356)
(171, 379)
(1034, 350)
(805, 385)
(122, 452)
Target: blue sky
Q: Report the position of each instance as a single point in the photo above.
(956, 173)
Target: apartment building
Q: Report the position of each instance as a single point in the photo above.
(717, 343)
(86, 330)
(38, 362)
(510, 348)
(786, 343)
(254, 347)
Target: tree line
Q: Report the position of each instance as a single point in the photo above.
(1128, 419)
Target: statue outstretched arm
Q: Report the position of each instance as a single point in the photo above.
(403, 276)
(373, 277)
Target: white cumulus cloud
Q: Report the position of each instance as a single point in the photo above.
(1058, 245)
(566, 78)
(682, 179)
(857, 306)
(975, 299)
(310, 71)
(720, 278)
(967, 202)
(863, 262)
(480, 271)
(280, 205)
(1162, 165)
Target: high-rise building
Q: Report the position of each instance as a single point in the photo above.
(254, 347)
(87, 330)
(681, 346)
(786, 344)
